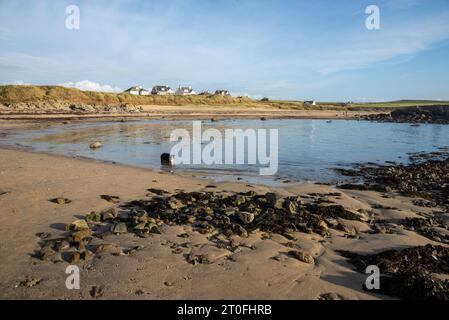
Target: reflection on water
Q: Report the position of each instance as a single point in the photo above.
(308, 149)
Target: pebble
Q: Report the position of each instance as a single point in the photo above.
(112, 199)
(96, 291)
(60, 200)
(96, 145)
(301, 256)
(29, 282)
(330, 296)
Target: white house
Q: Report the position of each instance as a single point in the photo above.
(310, 103)
(223, 92)
(162, 90)
(138, 91)
(185, 91)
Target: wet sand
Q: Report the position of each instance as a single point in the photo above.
(28, 180)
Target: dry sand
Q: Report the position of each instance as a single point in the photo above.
(28, 180)
(202, 112)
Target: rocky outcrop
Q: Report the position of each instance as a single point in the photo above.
(219, 216)
(44, 107)
(428, 114)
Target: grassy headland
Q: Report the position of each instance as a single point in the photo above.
(17, 94)
(10, 94)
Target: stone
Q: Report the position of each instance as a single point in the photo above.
(86, 255)
(274, 199)
(96, 291)
(330, 297)
(29, 282)
(178, 251)
(240, 231)
(348, 230)
(109, 214)
(112, 199)
(73, 257)
(119, 227)
(45, 253)
(60, 200)
(93, 217)
(291, 206)
(81, 235)
(323, 226)
(141, 226)
(301, 256)
(60, 244)
(96, 145)
(246, 217)
(109, 248)
(78, 225)
(158, 192)
(43, 235)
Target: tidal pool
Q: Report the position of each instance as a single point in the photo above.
(309, 150)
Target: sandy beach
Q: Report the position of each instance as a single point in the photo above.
(197, 112)
(259, 268)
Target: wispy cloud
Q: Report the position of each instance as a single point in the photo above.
(87, 85)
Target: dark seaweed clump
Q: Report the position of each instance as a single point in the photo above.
(409, 273)
(428, 179)
(242, 213)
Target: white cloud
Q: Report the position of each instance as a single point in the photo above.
(17, 83)
(20, 83)
(87, 85)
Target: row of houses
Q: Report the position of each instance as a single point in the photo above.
(166, 90)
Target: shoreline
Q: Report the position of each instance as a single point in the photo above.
(29, 180)
(200, 113)
(211, 175)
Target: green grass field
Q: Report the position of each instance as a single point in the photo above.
(401, 103)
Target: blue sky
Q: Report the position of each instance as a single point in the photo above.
(287, 49)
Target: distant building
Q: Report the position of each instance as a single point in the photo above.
(162, 90)
(310, 103)
(223, 92)
(185, 91)
(138, 91)
(205, 93)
